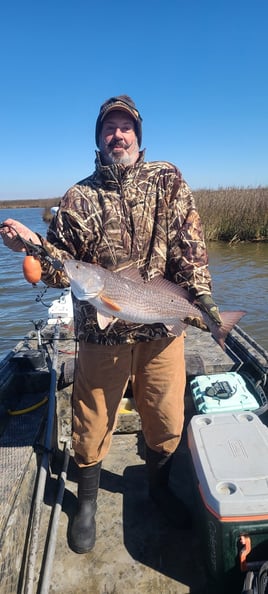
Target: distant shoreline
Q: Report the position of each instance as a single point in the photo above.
(28, 203)
(228, 214)
(202, 193)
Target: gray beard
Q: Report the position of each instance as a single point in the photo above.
(123, 160)
(126, 159)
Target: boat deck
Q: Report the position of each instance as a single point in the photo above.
(136, 549)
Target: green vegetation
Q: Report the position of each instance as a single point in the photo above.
(228, 214)
(234, 214)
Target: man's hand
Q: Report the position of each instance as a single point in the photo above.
(196, 322)
(9, 230)
(206, 303)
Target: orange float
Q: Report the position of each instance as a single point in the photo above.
(32, 269)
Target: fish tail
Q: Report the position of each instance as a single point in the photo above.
(229, 319)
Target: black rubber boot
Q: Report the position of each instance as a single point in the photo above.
(158, 468)
(83, 530)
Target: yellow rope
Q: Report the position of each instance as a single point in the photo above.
(23, 411)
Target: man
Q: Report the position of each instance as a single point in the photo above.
(143, 212)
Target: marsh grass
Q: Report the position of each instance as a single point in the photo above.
(234, 214)
(228, 214)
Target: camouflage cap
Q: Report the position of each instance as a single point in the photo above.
(121, 103)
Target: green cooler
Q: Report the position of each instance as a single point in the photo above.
(229, 454)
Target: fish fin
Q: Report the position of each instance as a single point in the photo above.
(158, 282)
(109, 302)
(229, 319)
(131, 272)
(163, 284)
(104, 321)
(172, 289)
(177, 328)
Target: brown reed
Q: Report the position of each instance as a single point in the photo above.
(234, 214)
(228, 214)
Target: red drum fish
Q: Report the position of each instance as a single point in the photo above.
(125, 295)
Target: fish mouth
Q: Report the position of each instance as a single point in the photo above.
(80, 293)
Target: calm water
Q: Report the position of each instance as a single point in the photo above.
(240, 281)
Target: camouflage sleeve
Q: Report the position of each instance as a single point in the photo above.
(51, 276)
(188, 257)
(65, 238)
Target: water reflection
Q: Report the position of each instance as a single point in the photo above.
(18, 299)
(240, 281)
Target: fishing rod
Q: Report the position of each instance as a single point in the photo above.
(35, 525)
(44, 583)
(33, 275)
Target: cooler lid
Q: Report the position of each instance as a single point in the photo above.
(230, 457)
(223, 392)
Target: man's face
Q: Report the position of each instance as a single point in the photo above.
(118, 141)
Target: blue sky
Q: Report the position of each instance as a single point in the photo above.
(197, 70)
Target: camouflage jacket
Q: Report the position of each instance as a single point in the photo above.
(144, 213)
